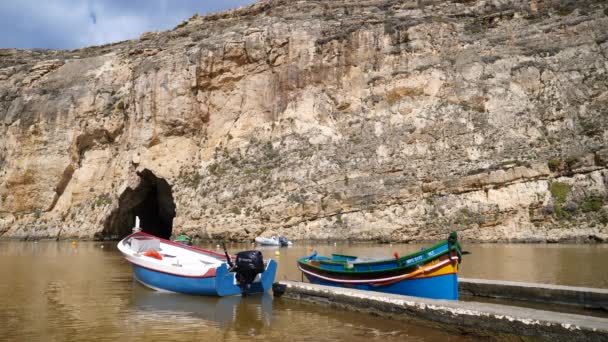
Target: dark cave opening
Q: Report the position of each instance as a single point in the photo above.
(151, 200)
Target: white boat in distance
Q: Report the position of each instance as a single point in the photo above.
(280, 241)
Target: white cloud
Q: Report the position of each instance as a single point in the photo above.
(69, 24)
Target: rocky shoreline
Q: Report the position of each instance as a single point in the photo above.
(579, 240)
(329, 120)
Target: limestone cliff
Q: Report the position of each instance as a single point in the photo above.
(388, 120)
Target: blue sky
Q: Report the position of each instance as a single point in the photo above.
(70, 24)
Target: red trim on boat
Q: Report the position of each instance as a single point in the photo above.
(206, 251)
(209, 274)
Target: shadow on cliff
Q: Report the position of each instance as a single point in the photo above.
(151, 200)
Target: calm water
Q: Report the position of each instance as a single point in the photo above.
(53, 291)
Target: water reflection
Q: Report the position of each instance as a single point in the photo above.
(53, 291)
(253, 313)
(564, 264)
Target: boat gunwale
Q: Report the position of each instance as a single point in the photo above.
(177, 244)
(455, 247)
(407, 256)
(442, 264)
(411, 255)
(344, 255)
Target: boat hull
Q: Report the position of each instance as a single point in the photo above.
(266, 242)
(171, 283)
(271, 242)
(222, 284)
(442, 284)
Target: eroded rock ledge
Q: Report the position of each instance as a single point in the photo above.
(361, 120)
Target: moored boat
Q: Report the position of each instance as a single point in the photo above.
(280, 241)
(431, 272)
(170, 266)
(183, 239)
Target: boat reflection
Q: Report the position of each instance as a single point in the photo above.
(242, 313)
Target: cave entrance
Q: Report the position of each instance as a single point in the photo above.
(152, 201)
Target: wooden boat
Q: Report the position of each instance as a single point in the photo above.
(431, 272)
(170, 266)
(280, 241)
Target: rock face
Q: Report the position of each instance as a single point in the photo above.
(387, 120)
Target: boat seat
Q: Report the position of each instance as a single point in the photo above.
(206, 262)
(140, 245)
(364, 259)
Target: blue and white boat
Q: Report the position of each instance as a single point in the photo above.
(165, 265)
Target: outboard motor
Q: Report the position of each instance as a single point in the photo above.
(283, 241)
(247, 266)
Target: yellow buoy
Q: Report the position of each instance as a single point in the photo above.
(277, 253)
(73, 243)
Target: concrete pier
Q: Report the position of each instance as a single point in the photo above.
(585, 297)
(463, 316)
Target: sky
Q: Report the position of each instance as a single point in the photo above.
(71, 24)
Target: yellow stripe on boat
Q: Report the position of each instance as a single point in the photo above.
(450, 268)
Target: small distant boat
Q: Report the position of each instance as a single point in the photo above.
(431, 272)
(170, 266)
(183, 239)
(280, 241)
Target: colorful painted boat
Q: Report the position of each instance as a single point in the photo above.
(431, 272)
(170, 266)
